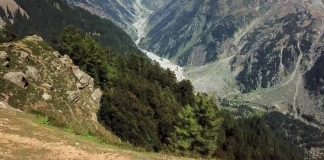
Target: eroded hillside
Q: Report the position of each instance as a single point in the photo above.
(36, 79)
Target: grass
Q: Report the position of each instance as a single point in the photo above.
(91, 138)
(33, 137)
(43, 120)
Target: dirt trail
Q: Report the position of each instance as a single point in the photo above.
(22, 138)
(52, 150)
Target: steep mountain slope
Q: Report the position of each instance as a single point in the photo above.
(35, 78)
(269, 50)
(123, 12)
(155, 5)
(49, 17)
(8, 9)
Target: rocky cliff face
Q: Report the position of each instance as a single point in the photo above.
(269, 50)
(8, 9)
(155, 5)
(123, 12)
(37, 79)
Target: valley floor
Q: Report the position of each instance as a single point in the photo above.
(24, 136)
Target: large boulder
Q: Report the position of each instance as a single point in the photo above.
(33, 73)
(66, 60)
(24, 56)
(56, 54)
(83, 77)
(18, 78)
(3, 55)
(34, 38)
(96, 95)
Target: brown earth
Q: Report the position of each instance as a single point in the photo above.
(24, 137)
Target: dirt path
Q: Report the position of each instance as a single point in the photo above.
(13, 145)
(22, 138)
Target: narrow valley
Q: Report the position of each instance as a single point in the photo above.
(140, 25)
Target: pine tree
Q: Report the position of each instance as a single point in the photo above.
(186, 132)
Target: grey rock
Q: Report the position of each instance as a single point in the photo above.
(96, 95)
(5, 64)
(18, 78)
(66, 60)
(83, 77)
(34, 38)
(56, 54)
(80, 86)
(33, 73)
(73, 95)
(23, 55)
(3, 55)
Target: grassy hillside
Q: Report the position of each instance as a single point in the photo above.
(25, 136)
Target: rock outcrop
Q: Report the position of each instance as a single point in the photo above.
(84, 78)
(96, 95)
(65, 59)
(23, 56)
(73, 95)
(40, 80)
(32, 73)
(3, 55)
(18, 78)
(11, 9)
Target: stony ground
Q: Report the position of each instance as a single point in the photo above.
(24, 136)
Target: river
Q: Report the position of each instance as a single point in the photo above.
(140, 25)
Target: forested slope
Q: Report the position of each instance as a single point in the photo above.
(47, 18)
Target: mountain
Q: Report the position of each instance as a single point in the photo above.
(155, 5)
(51, 16)
(8, 9)
(264, 52)
(48, 108)
(124, 13)
(138, 101)
(121, 12)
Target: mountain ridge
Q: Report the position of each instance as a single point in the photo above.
(269, 72)
(267, 47)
